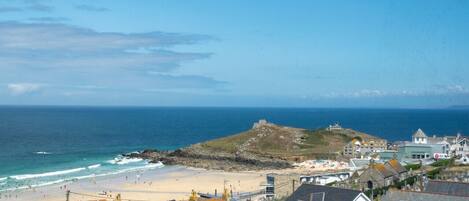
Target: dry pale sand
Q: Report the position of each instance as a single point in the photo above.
(155, 185)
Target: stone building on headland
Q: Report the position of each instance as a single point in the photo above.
(334, 127)
(260, 123)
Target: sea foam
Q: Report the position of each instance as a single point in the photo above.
(94, 166)
(122, 161)
(47, 174)
(43, 153)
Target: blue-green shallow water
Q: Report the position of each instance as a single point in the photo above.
(77, 137)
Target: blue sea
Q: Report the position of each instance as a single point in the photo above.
(42, 145)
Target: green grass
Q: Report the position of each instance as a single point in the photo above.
(433, 173)
(281, 142)
(413, 166)
(313, 138)
(442, 163)
(228, 144)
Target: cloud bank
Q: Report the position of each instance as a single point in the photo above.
(65, 57)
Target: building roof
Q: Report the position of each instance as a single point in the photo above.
(419, 133)
(394, 164)
(393, 195)
(436, 140)
(448, 188)
(359, 163)
(330, 193)
(381, 168)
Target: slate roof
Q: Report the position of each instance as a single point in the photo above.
(393, 195)
(381, 168)
(330, 193)
(419, 133)
(448, 188)
(394, 163)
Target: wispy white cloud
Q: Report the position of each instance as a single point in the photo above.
(357, 94)
(60, 46)
(436, 90)
(23, 88)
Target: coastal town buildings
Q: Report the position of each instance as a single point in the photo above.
(382, 174)
(326, 193)
(358, 148)
(461, 147)
(424, 147)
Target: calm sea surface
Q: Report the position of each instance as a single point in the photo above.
(46, 145)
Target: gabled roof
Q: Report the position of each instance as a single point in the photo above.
(381, 168)
(393, 195)
(462, 139)
(330, 193)
(447, 188)
(419, 133)
(394, 164)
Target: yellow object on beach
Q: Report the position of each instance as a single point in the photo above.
(193, 196)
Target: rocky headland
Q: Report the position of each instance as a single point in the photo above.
(265, 146)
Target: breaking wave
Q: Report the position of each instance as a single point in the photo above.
(47, 174)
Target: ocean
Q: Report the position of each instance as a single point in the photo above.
(43, 145)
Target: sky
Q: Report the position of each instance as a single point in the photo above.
(386, 54)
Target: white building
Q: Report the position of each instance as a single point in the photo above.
(419, 137)
(335, 127)
(461, 148)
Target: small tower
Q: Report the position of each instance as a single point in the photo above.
(419, 137)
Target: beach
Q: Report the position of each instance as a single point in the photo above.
(165, 183)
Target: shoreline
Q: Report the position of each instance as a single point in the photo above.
(166, 183)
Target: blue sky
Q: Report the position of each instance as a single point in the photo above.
(235, 53)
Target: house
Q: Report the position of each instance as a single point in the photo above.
(400, 173)
(377, 175)
(310, 192)
(461, 148)
(419, 137)
(396, 195)
(381, 175)
(447, 188)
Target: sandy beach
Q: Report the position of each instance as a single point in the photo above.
(156, 185)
